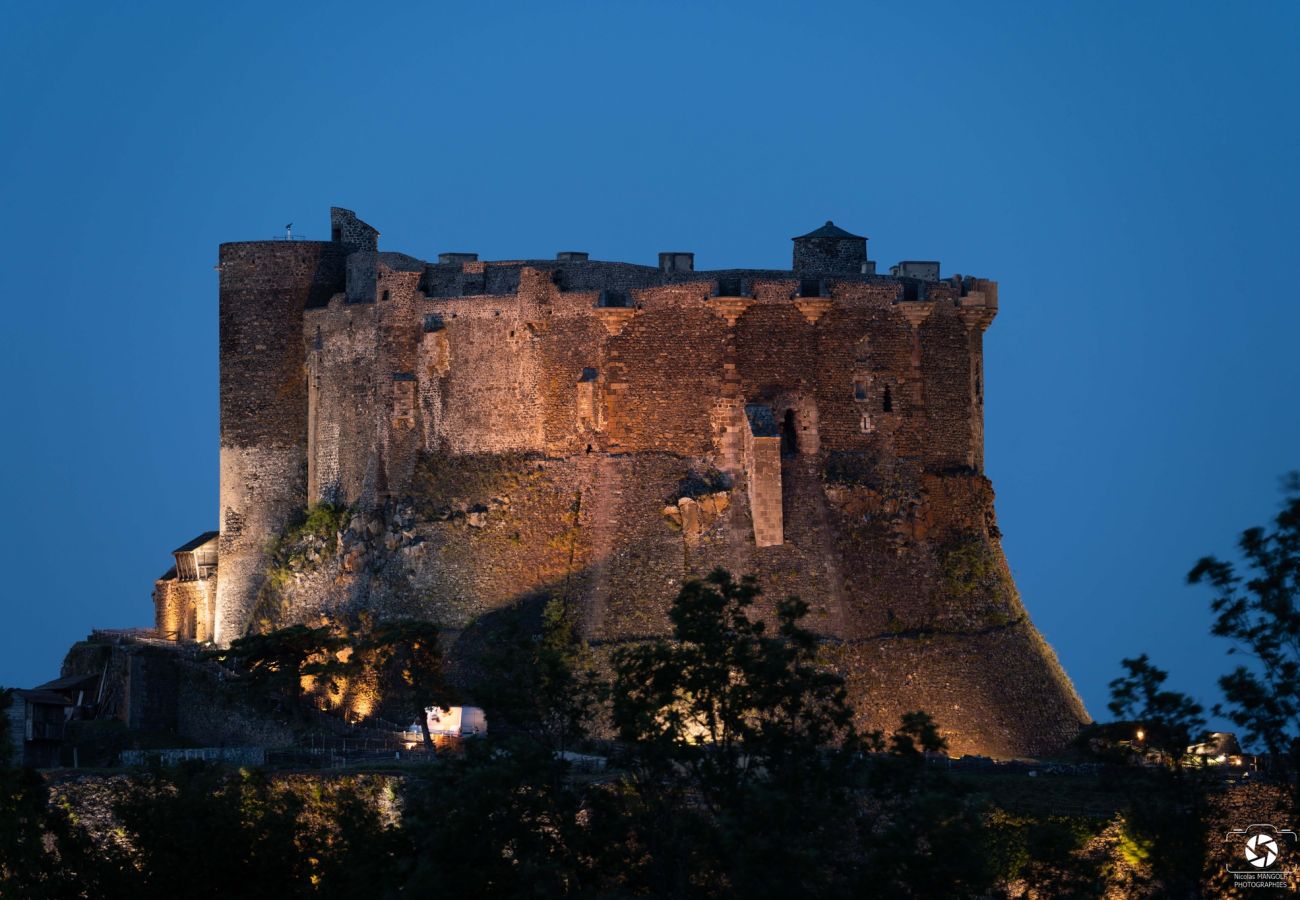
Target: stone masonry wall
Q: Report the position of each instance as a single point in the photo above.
(507, 432)
(265, 285)
(184, 610)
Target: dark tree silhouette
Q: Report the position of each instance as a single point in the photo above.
(1257, 611)
(1169, 721)
(407, 661)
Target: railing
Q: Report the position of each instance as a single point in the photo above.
(131, 636)
(244, 756)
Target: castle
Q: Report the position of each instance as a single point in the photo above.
(501, 432)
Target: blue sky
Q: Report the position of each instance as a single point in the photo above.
(1127, 172)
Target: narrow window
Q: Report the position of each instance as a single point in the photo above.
(386, 295)
(859, 389)
(911, 290)
(789, 437)
(810, 287)
(730, 287)
(888, 405)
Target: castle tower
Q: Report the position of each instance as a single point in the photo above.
(830, 250)
(264, 288)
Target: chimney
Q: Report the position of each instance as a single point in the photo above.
(676, 262)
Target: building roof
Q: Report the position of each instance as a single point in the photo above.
(198, 542)
(63, 684)
(50, 698)
(830, 230)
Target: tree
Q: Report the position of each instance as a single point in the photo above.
(274, 664)
(407, 660)
(1168, 720)
(539, 676)
(1167, 812)
(204, 831)
(1257, 611)
(726, 699)
(921, 833)
(743, 749)
(501, 821)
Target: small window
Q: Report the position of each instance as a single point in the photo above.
(888, 404)
(911, 290)
(614, 298)
(731, 287)
(588, 374)
(810, 287)
(433, 322)
(860, 388)
(386, 295)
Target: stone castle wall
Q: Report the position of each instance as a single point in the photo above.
(506, 432)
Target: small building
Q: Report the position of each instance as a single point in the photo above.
(185, 596)
(462, 721)
(1219, 748)
(38, 717)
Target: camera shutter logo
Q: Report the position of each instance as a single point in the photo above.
(1261, 850)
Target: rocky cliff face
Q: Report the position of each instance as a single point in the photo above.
(904, 575)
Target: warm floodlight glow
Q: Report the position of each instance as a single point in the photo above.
(1141, 735)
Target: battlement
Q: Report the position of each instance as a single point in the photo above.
(823, 258)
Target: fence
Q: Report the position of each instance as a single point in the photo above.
(240, 756)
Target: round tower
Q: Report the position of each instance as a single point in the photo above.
(264, 287)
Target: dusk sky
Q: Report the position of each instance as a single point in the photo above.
(1127, 173)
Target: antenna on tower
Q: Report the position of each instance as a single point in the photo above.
(288, 232)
